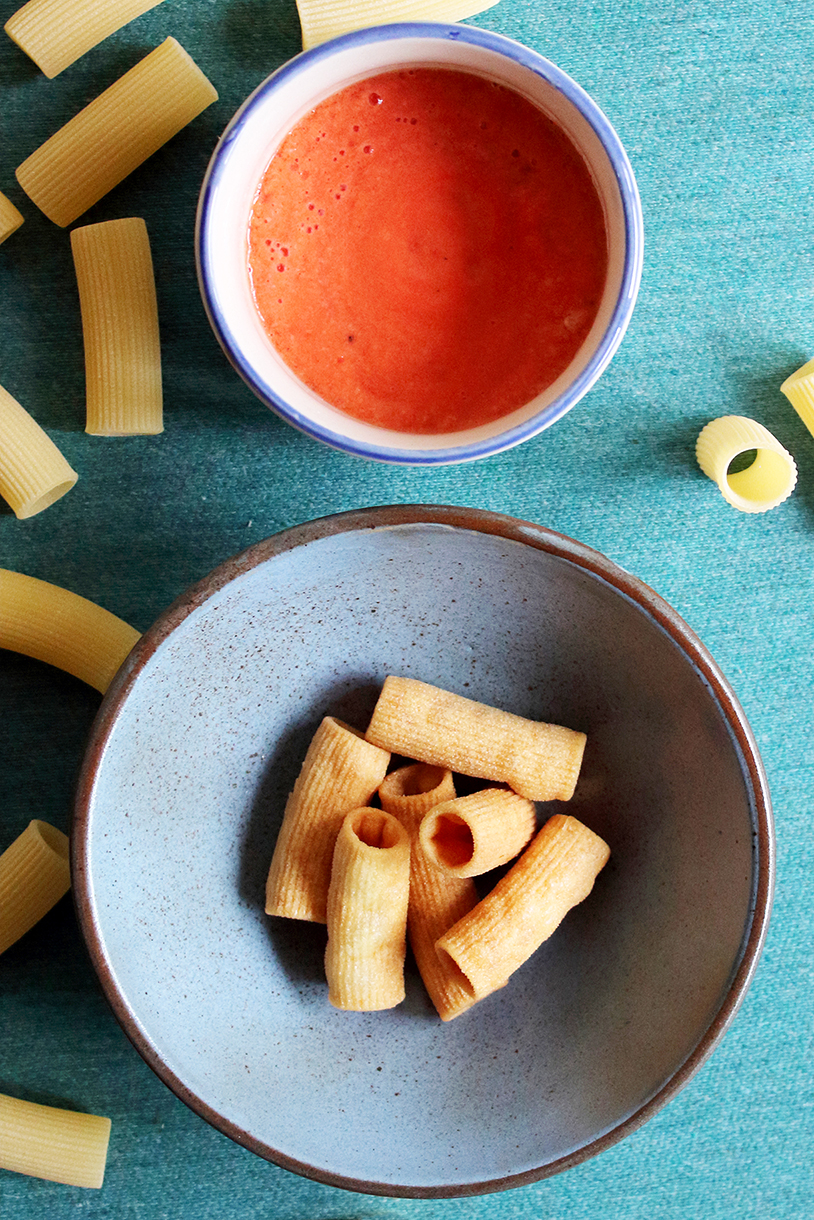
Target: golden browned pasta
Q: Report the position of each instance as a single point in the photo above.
(115, 133)
(555, 872)
(341, 772)
(114, 273)
(436, 901)
(58, 1145)
(765, 483)
(540, 761)
(55, 33)
(34, 875)
(367, 912)
(324, 19)
(52, 624)
(33, 472)
(470, 835)
(10, 217)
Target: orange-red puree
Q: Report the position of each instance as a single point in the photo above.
(427, 250)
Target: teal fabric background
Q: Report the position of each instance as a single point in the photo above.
(714, 105)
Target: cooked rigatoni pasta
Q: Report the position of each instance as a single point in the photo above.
(10, 217)
(799, 389)
(115, 133)
(540, 761)
(33, 472)
(114, 274)
(766, 482)
(47, 1142)
(55, 33)
(324, 19)
(470, 835)
(52, 624)
(556, 871)
(436, 901)
(367, 912)
(341, 772)
(34, 875)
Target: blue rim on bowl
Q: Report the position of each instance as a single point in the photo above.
(377, 443)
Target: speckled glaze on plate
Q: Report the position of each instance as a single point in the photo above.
(198, 742)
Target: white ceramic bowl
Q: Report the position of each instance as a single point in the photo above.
(250, 141)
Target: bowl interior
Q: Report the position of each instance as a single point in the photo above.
(198, 744)
(249, 144)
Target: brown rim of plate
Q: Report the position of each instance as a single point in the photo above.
(515, 530)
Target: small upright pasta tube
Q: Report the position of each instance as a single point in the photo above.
(52, 624)
(367, 912)
(470, 835)
(114, 273)
(341, 772)
(765, 483)
(437, 901)
(10, 217)
(57, 1145)
(33, 472)
(324, 19)
(540, 761)
(55, 33)
(115, 133)
(34, 875)
(554, 873)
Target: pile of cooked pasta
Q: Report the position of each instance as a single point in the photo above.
(375, 874)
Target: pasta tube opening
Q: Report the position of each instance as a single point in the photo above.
(473, 834)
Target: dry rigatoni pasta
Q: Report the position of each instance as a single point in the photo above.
(114, 274)
(799, 389)
(341, 772)
(115, 133)
(10, 217)
(556, 871)
(765, 482)
(52, 624)
(540, 761)
(34, 875)
(58, 1145)
(33, 472)
(470, 835)
(367, 912)
(324, 19)
(436, 901)
(55, 33)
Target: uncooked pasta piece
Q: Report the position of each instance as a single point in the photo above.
(55, 33)
(33, 472)
(556, 871)
(799, 389)
(52, 624)
(115, 133)
(540, 761)
(764, 484)
(34, 875)
(341, 772)
(114, 273)
(367, 912)
(436, 901)
(470, 835)
(10, 217)
(324, 19)
(58, 1145)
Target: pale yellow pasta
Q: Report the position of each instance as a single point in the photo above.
(33, 472)
(55, 33)
(799, 389)
(324, 19)
(34, 875)
(115, 133)
(52, 624)
(436, 901)
(540, 761)
(367, 912)
(58, 1145)
(764, 484)
(114, 273)
(341, 772)
(10, 217)
(470, 835)
(556, 871)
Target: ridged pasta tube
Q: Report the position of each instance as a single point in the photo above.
(470, 835)
(34, 875)
(55, 33)
(324, 19)
(33, 472)
(767, 482)
(10, 217)
(57, 1145)
(799, 389)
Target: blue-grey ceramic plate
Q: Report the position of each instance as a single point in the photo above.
(198, 742)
